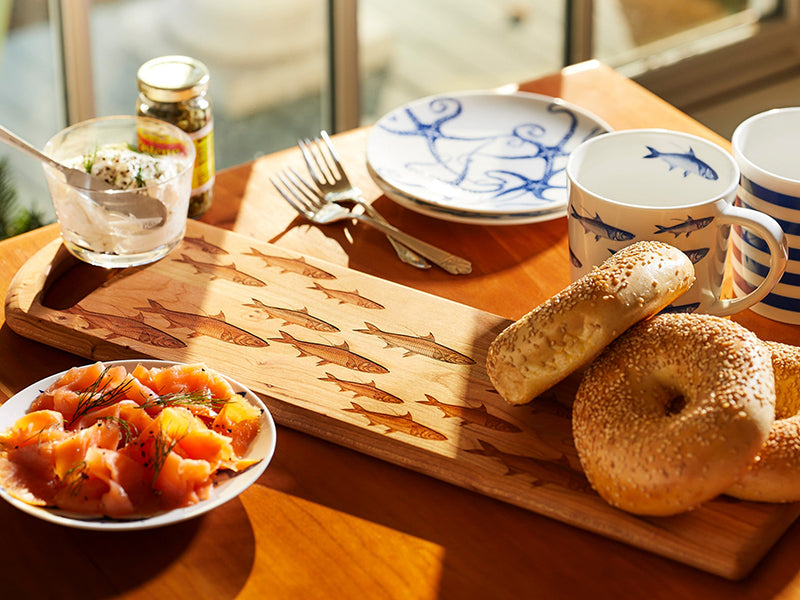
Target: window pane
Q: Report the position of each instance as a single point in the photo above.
(415, 48)
(29, 102)
(267, 62)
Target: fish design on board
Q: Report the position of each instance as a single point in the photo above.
(684, 161)
(344, 297)
(478, 416)
(402, 423)
(229, 272)
(327, 354)
(365, 390)
(201, 244)
(291, 265)
(684, 227)
(130, 327)
(289, 316)
(214, 327)
(424, 346)
(599, 229)
(557, 472)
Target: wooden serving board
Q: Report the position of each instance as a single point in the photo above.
(387, 370)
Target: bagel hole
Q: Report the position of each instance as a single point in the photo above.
(674, 405)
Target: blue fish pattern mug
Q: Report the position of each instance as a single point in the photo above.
(656, 184)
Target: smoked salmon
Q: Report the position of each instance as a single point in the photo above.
(102, 441)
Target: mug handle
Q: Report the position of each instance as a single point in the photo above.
(768, 228)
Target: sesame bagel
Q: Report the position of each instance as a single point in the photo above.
(773, 475)
(569, 330)
(673, 412)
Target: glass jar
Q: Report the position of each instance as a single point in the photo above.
(175, 89)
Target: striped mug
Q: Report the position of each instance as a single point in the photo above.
(764, 148)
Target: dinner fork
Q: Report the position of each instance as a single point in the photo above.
(311, 203)
(330, 177)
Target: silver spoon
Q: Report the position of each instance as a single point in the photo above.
(126, 203)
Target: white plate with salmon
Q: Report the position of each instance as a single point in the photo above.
(131, 444)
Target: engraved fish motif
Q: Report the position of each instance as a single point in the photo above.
(402, 423)
(550, 406)
(299, 317)
(365, 390)
(291, 265)
(201, 244)
(134, 328)
(337, 355)
(424, 346)
(684, 161)
(685, 227)
(478, 416)
(556, 472)
(229, 272)
(598, 228)
(214, 327)
(347, 297)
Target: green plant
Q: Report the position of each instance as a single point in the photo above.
(14, 219)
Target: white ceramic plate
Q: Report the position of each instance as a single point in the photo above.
(469, 217)
(263, 446)
(488, 156)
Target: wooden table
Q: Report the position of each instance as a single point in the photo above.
(327, 522)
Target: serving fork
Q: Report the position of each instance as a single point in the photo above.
(312, 204)
(328, 173)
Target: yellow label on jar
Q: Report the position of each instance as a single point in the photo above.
(204, 156)
(153, 143)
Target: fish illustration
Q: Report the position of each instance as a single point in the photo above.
(424, 346)
(549, 405)
(214, 327)
(337, 355)
(684, 161)
(402, 423)
(686, 227)
(696, 255)
(347, 297)
(365, 390)
(134, 328)
(299, 317)
(598, 228)
(291, 265)
(201, 244)
(574, 260)
(478, 416)
(556, 472)
(229, 272)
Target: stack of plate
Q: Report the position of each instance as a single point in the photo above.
(484, 158)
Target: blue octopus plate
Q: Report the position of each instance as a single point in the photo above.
(480, 156)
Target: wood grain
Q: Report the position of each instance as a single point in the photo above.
(325, 521)
(380, 368)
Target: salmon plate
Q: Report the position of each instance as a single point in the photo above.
(131, 443)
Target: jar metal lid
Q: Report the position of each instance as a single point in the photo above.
(172, 78)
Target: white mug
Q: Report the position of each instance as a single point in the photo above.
(655, 184)
(765, 148)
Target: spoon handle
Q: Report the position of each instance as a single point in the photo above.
(20, 144)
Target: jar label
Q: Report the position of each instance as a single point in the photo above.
(153, 143)
(204, 157)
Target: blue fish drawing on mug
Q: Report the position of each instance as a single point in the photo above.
(598, 228)
(696, 255)
(684, 161)
(685, 227)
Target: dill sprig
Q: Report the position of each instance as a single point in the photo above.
(99, 395)
(75, 477)
(127, 428)
(162, 446)
(196, 398)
